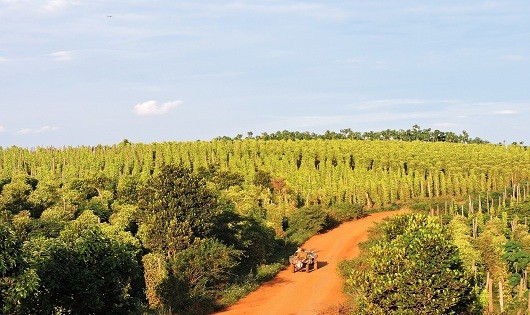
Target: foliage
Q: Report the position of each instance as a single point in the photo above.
(306, 222)
(196, 275)
(459, 228)
(155, 272)
(124, 217)
(17, 281)
(342, 212)
(416, 133)
(412, 266)
(489, 244)
(254, 240)
(517, 259)
(15, 196)
(175, 208)
(225, 179)
(263, 179)
(85, 271)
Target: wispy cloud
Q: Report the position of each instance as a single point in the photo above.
(2, 59)
(24, 131)
(504, 112)
(46, 129)
(389, 103)
(152, 107)
(27, 131)
(63, 55)
(2, 129)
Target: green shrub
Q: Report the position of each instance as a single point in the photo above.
(412, 267)
(196, 276)
(306, 222)
(343, 212)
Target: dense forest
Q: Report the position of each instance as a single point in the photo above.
(188, 227)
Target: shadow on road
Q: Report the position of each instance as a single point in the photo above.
(322, 264)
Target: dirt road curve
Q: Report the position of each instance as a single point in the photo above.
(316, 292)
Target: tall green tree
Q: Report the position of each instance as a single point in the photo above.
(175, 208)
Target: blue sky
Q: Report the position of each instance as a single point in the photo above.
(80, 72)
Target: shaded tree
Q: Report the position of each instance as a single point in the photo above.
(175, 208)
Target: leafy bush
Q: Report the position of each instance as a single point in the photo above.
(196, 276)
(85, 271)
(343, 212)
(17, 281)
(255, 240)
(413, 266)
(306, 222)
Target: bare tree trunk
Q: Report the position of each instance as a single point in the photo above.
(488, 201)
(501, 297)
(489, 286)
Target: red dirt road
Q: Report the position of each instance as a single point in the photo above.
(316, 292)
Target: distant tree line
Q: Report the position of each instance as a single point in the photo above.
(416, 133)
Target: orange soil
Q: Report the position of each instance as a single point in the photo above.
(316, 292)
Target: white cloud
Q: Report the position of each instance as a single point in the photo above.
(2, 129)
(63, 55)
(2, 59)
(152, 108)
